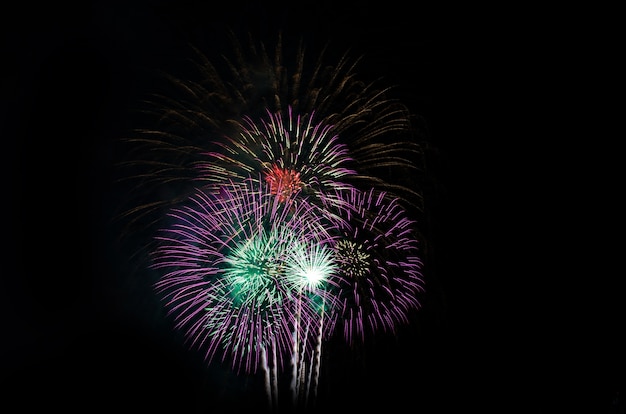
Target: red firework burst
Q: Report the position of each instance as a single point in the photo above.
(283, 182)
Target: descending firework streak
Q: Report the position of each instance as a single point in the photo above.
(272, 218)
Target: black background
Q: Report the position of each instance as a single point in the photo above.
(514, 320)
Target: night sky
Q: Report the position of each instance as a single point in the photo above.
(81, 330)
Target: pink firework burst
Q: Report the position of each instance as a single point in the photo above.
(230, 275)
(380, 270)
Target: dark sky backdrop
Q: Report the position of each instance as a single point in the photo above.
(79, 331)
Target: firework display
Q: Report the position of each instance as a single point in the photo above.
(273, 230)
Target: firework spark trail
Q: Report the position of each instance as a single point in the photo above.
(294, 361)
(302, 368)
(266, 375)
(275, 376)
(318, 357)
(312, 375)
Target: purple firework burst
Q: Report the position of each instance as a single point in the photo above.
(379, 278)
(231, 276)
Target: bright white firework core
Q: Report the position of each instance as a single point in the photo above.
(309, 266)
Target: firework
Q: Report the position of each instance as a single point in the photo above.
(231, 264)
(266, 242)
(379, 278)
(315, 124)
(294, 154)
